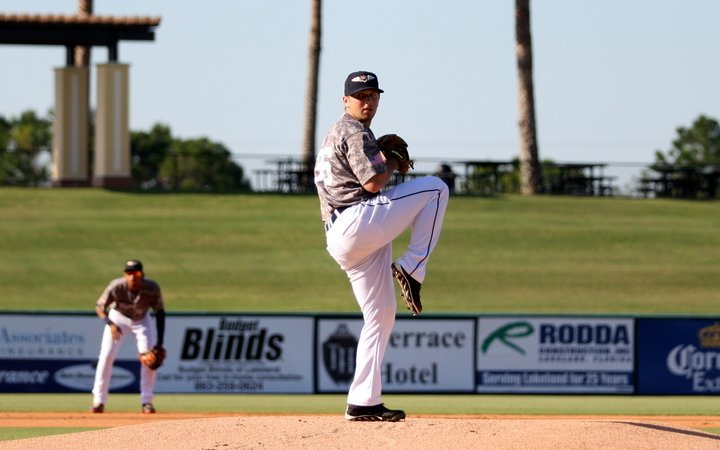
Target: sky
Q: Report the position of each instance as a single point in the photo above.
(613, 78)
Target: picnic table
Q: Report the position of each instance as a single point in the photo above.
(484, 176)
(289, 176)
(579, 179)
(681, 181)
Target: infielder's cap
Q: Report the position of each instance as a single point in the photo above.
(359, 81)
(133, 265)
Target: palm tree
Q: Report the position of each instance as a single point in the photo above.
(308, 156)
(82, 54)
(530, 168)
(82, 59)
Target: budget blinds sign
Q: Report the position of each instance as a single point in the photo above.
(232, 354)
(678, 356)
(431, 355)
(555, 355)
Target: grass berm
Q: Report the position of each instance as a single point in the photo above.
(266, 253)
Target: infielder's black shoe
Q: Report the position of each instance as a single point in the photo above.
(409, 288)
(377, 413)
(148, 408)
(97, 408)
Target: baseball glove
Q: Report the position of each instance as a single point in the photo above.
(395, 147)
(154, 358)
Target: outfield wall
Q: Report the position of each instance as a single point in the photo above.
(296, 353)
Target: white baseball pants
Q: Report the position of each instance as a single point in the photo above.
(360, 240)
(145, 338)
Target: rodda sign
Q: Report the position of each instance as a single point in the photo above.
(554, 355)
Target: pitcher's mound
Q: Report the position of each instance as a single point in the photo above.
(333, 432)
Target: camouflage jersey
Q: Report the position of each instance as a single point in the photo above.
(348, 158)
(133, 305)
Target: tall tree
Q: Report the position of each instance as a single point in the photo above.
(7, 161)
(82, 59)
(530, 168)
(201, 165)
(162, 162)
(694, 146)
(82, 54)
(691, 167)
(311, 93)
(23, 141)
(148, 150)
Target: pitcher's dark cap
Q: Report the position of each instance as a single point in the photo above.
(133, 265)
(359, 81)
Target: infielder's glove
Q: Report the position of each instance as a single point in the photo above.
(153, 358)
(395, 147)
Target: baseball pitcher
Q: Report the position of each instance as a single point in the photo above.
(362, 218)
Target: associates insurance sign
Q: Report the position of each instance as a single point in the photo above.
(58, 353)
(554, 355)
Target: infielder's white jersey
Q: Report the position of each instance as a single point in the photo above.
(360, 228)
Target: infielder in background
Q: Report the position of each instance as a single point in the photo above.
(361, 221)
(124, 307)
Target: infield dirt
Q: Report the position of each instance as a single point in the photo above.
(208, 431)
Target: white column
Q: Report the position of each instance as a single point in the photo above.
(70, 127)
(112, 134)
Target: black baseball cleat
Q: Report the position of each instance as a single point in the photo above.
(97, 408)
(409, 288)
(377, 413)
(148, 408)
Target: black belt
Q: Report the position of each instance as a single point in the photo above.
(334, 215)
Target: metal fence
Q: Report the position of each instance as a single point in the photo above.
(287, 174)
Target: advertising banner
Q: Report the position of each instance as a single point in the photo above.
(254, 353)
(678, 356)
(554, 355)
(58, 353)
(423, 355)
(238, 353)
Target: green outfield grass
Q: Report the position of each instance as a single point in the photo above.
(262, 253)
(414, 404)
(11, 433)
